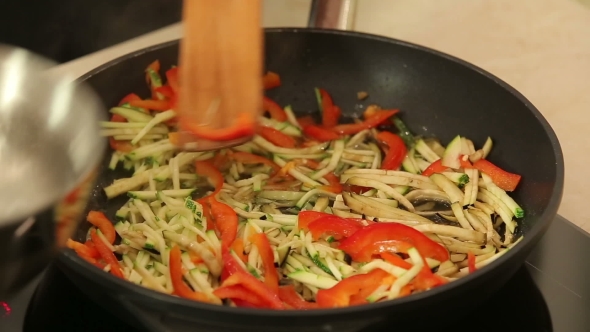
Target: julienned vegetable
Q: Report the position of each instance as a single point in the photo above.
(307, 215)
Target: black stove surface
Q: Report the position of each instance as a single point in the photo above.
(549, 293)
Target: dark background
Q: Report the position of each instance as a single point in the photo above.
(67, 29)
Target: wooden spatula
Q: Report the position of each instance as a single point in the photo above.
(220, 70)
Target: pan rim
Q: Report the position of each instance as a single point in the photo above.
(544, 219)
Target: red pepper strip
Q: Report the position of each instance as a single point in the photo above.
(238, 247)
(221, 161)
(395, 260)
(288, 295)
(406, 290)
(172, 79)
(271, 80)
(305, 121)
(243, 126)
(82, 250)
(276, 112)
(335, 186)
(503, 179)
(380, 232)
(435, 167)
(154, 105)
(465, 163)
(276, 137)
(241, 296)
(358, 189)
(271, 277)
(307, 217)
(340, 294)
(471, 262)
(129, 98)
(93, 251)
(372, 122)
(249, 158)
(330, 112)
(320, 134)
(106, 254)
(361, 297)
(335, 226)
(426, 279)
(230, 266)
(196, 259)
(180, 288)
(99, 220)
(226, 222)
(396, 150)
(166, 91)
(366, 253)
(248, 281)
(208, 170)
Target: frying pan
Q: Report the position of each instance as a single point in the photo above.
(438, 95)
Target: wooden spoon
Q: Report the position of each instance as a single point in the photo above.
(220, 73)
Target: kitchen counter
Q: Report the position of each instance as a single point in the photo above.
(541, 47)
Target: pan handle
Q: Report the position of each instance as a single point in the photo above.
(332, 14)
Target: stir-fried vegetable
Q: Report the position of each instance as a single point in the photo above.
(306, 215)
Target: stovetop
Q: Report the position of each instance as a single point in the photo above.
(549, 293)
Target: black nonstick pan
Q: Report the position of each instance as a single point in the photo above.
(438, 95)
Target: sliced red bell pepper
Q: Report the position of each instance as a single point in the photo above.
(288, 295)
(378, 118)
(503, 179)
(248, 281)
(196, 259)
(381, 232)
(276, 112)
(241, 296)
(99, 220)
(238, 247)
(271, 80)
(106, 254)
(426, 279)
(335, 226)
(305, 121)
(340, 295)
(471, 262)
(172, 79)
(271, 277)
(277, 137)
(208, 170)
(465, 163)
(176, 275)
(435, 167)
(129, 98)
(230, 266)
(243, 126)
(154, 105)
(94, 253)
(358, 189)
(396, 150)
(166, 91)
(330, 112)
(226, 222)
(395, 260)
(378, 247)
(304, 218)
(249, 158)
(82, 250)
(320, 134)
